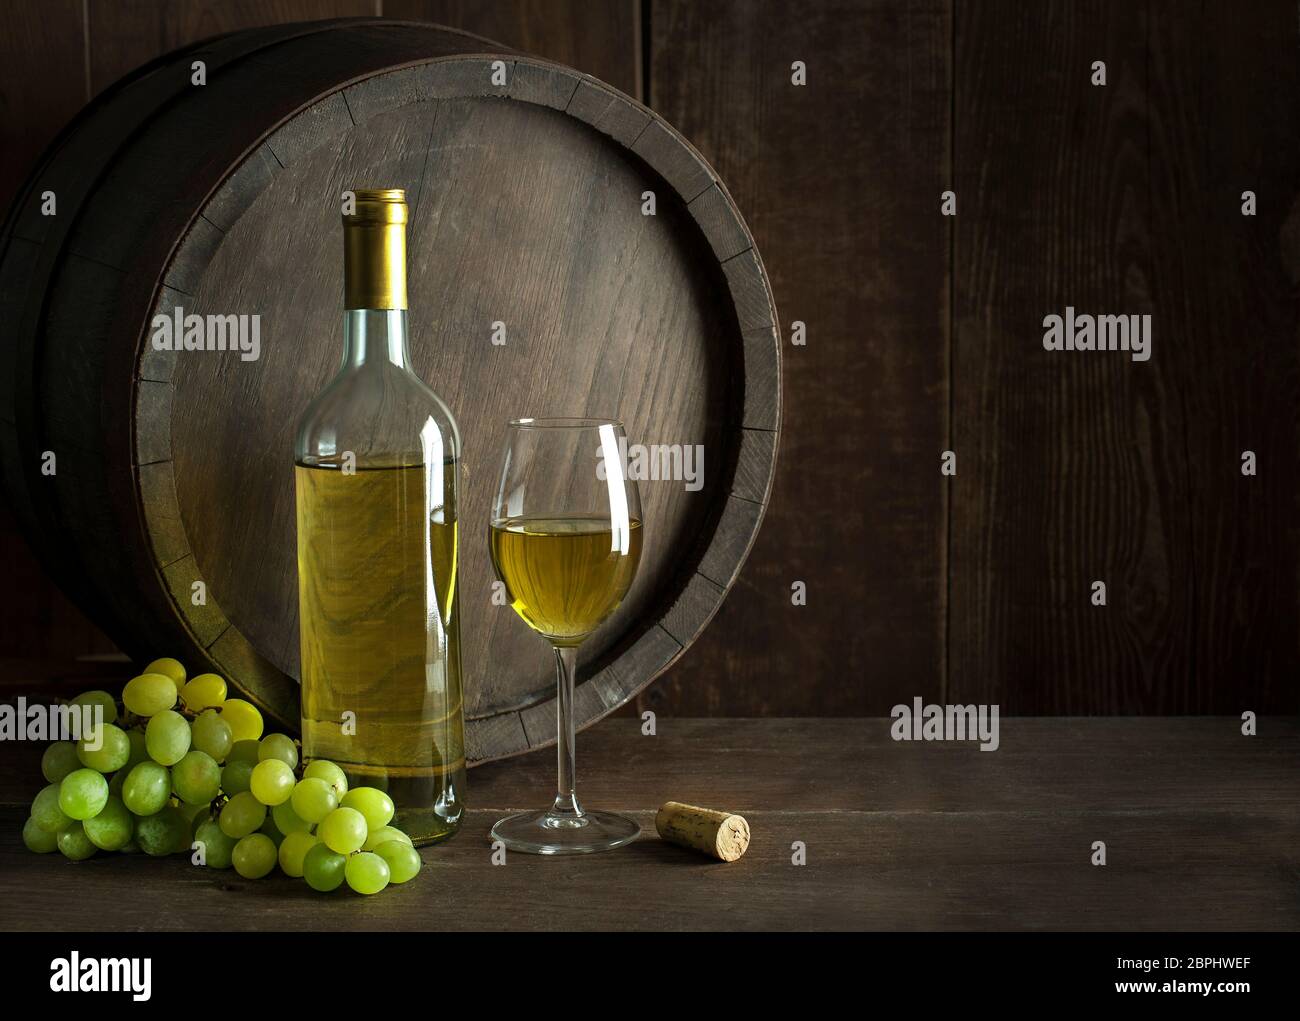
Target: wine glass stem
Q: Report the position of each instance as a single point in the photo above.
(566, 798)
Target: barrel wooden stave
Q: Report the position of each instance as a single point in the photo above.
(124, 516)
(468, 289)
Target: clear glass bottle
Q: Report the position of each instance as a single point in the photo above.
(375, 463)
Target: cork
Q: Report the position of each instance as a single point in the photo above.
(721, 835)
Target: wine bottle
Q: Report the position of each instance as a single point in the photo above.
(376, 460)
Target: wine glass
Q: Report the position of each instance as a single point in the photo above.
(565, 539)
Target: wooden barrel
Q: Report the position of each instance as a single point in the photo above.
(569, 254)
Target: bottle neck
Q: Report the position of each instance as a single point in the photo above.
(375, 337)
(374, 281)
(374, 262)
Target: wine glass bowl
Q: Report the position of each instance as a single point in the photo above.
(565, 538)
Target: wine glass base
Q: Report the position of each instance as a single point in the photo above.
(546, 832)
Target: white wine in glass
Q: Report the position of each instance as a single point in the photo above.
(565, 539)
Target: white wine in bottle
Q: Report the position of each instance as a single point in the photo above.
(376, 461)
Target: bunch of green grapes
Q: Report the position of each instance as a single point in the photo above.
(184, 768)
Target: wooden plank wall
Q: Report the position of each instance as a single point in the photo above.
(43, 83)
(839, 181)
(924, 332)
(1079, 467)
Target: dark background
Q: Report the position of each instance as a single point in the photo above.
(924, 332)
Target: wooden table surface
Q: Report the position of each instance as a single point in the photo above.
(1201, 827)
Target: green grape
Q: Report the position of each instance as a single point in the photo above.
(165, 832)
(382, 835)
(242, 815)
(196, 815)
(147, 788)
(149, 694)
(117, 781)
(46, 811)
(366, 872)
(293, 849)
(313, 799)
(113, 828)
(271, 782)
(270, 829)
(167, 737)
(403, 860)
(193, 810)
(235, 777)
(196, 778)
(371, 802)
(278, 746)
(323, 869)
(112, 754)
(254, 856)
(59, 760)
(131, 847)
(172, 669)
(288, 821)
(74, 843)
(211, 735)
(207, 691)
(244, 751)
(139, 748)
(323, 769)
(244, 719)
(184, 836)
(41, 841)
(83, 793)
(343, 830)
(98, 698)
(217, 847)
